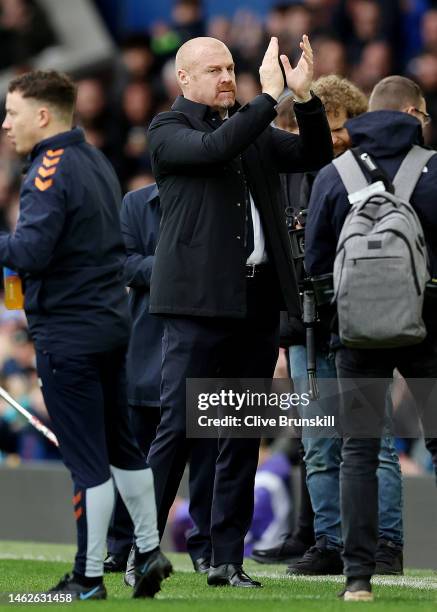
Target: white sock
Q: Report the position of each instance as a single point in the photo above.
(99, 507)
(138, 493)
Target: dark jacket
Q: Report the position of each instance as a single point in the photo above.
(387, 136)
(68, 248)
(140, 217)
(200, 171)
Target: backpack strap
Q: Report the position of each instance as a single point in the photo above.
(350, 172)
(410, 170)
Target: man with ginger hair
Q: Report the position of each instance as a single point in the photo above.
(222, 271)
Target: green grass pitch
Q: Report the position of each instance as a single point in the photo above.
(26, 567)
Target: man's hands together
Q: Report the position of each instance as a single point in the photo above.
(298, 79)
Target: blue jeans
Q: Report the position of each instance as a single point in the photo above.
(323, 458)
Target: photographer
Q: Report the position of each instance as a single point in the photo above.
(342, 101)
(386, 134)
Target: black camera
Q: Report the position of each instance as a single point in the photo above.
(296, 231)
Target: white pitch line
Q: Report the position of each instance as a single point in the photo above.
(412, 582)
(425, 583)
(30, 557)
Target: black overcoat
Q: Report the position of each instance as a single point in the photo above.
(203, 168)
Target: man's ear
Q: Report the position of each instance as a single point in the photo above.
(183, 77)
(410, 110)
(44, 116)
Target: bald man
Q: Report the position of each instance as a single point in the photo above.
(223, 271)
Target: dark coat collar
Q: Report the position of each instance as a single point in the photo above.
(201, 111)
(58, 141)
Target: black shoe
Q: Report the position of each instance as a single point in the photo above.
(290, 550)
(115, 563)
(68, 586)
(357, 589)
(229, 574)
(389, 558)
(150, 574)
(317, 561)
(201, 565)
(129, 576)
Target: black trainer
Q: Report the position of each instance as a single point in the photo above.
(201, 565)
(69, 586)
(317, 561)
(150, 574)
(115, 563)
(290, 550)
(357, 589)
(389, 558)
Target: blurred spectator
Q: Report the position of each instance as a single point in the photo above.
(248, 41)
(220, 27)
(247, 86)
(7, 189)
(187, 22)
(137, 57)
(137, 111)
(429, 31)
(331, 57)
(374, 65)
(24, 31)
(289, 22)
(188, 19)
(21, 361)
(321, 12)
(167, 89)
(94, 116)
(136, 62)
(360, 22)
(423, 69)
(90, 101)
(137, 104)
(19, 378)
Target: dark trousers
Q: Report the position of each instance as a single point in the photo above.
(86, 399)
(358, 482)
(222, 472)
(305, 521)
(144, 422)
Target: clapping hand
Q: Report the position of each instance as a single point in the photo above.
(299, 79)
(272, 81)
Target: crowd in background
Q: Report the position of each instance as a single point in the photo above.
(364, 40)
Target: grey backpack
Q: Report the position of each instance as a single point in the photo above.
(381, 263)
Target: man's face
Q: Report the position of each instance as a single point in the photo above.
(22, 122)
(211, 79)
(340, 137)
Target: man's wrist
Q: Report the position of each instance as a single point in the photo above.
(303, 97)
(270, 97)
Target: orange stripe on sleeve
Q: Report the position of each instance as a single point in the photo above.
(77, 498)
(56, 153)
(48, 163)
(43, 185)
(45, 172)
